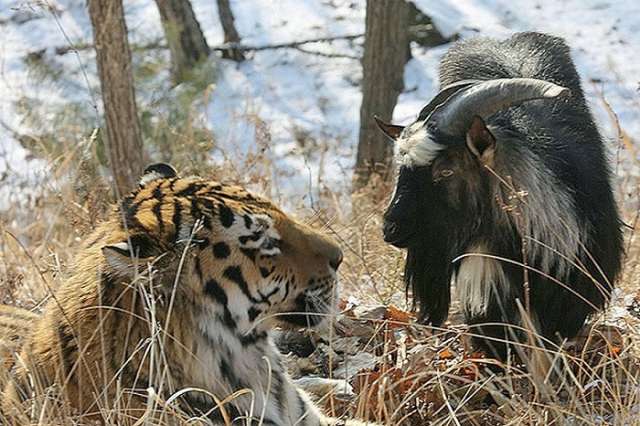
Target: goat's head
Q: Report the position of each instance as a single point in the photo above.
(441, 155)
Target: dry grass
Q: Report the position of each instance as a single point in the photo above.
(430, 375)
(424, 375)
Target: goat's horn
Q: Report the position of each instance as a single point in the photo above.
(442, 97)
(486, 98)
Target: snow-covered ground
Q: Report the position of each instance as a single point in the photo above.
(288, 93)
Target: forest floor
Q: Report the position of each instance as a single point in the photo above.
(284, 123)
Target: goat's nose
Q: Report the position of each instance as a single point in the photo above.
(389, 231)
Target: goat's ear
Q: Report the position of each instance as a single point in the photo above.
(391, 130)
(480, 141)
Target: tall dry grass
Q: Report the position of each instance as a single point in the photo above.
(425, 376)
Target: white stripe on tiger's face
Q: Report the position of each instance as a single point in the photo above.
(255, 231)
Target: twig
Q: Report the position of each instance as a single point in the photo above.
(326, 55)
(74, 49)
(237, 46)
(16, 135)
(293, 44)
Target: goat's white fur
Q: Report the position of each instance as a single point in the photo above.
(415, 147)
(478, 277)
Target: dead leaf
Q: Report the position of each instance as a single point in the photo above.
(397, 315)
(446, 353)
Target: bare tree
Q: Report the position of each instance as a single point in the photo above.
(230, 33)
(124, 138)
(386, 50)
(187, 44)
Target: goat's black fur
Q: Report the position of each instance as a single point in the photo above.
(552, 150)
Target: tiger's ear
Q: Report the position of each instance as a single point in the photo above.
(157, 171)
(126, 257)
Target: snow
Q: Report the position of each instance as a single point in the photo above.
(602, 34)
(301, 109)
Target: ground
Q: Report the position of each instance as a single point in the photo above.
(284, 123)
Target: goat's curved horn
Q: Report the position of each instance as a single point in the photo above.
(486, 98)
(442, 97)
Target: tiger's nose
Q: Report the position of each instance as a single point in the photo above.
(337, 258)
(330, 251)
(323, 249)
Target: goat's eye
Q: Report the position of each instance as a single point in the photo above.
(442, 174)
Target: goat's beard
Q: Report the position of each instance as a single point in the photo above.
(427, 275)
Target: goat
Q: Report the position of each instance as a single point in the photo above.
(504, 189)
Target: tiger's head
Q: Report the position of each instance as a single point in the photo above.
(233, 254)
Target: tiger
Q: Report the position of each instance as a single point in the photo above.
(171, 303)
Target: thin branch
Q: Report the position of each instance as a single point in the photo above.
(326, 54)
(293, 44)
(238, 46)
(94, 102)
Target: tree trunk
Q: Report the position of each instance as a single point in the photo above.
(124, 138)
(230, 32)
(187, 44)
(386, 50)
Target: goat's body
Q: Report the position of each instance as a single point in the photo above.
(505, 167)
(556, 154)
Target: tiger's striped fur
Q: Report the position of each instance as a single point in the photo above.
(15, 324)
(191, 275)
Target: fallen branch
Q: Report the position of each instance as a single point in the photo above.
(238, 46)
(326, 54)
(63, 50)
(293, 44)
